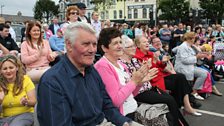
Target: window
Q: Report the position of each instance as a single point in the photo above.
(142, 0)
(135, 13)
(136, 0)
(102, 15)
(115, 14)
(151, 15)
(129, 13)
(144, 13)
(88, 3)
(113, 2)
(120, 13)
(107, 15)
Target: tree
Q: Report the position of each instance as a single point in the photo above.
(45, 9)
(213, 9)
(174, 10)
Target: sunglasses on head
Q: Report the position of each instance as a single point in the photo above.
(7, 57)
(74, 13)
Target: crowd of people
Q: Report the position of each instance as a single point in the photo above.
(91, 72)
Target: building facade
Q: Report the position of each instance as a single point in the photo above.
(130, 11)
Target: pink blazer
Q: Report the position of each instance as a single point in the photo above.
(118, 93)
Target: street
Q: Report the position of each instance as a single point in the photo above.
(212, 110)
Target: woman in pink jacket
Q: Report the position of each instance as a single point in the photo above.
(123, 87)
(36, 53)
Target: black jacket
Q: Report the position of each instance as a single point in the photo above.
(88, 20)
(9, 43)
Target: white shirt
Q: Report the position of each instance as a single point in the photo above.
(96, 26)
(12, 33)
(130, 105)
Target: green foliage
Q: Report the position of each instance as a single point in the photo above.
(213, 9)
(45, 9)
(173, 10)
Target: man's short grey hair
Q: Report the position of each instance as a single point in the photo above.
(125, 40)
(72, 30)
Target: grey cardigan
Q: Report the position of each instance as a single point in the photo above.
(185, 60)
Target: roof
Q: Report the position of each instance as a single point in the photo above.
(16, 18)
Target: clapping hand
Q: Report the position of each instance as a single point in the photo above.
(152, 73)
(138, 75)
(24, 101)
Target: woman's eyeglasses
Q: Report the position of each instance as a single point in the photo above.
(74, 13)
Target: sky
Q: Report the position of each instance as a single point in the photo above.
(13, 6)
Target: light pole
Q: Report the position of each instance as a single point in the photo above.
(1, 9)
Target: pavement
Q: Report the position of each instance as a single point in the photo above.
(212, 110)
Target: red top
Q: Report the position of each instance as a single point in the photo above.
(159, 80)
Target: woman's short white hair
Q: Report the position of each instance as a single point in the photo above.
(125, 39)
(72, 30)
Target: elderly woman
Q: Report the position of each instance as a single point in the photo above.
(17, 93)
(185, 63)
(149, 94)
(47, 32)
(120, 86)
(175, 83)
(36, 53)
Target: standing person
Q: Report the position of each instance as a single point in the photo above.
(178, 35)
(165, 34)
(23, 31)
(54, 26)
(79, 97)
(17, 93)
(95, 22)
(72, 15)
(11, 30)
(82, 13)
(36, 53)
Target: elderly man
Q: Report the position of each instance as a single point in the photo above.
(72, 92)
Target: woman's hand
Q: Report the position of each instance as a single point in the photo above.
(52, 56)
(138, 76)
(152, 73)
(24, 101)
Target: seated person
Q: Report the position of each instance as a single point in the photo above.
(72, 93)
(7, 41)
(57, 42)
(17, 93)
(36, 53)
(185, 63)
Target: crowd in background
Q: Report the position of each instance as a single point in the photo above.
(172, 65)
